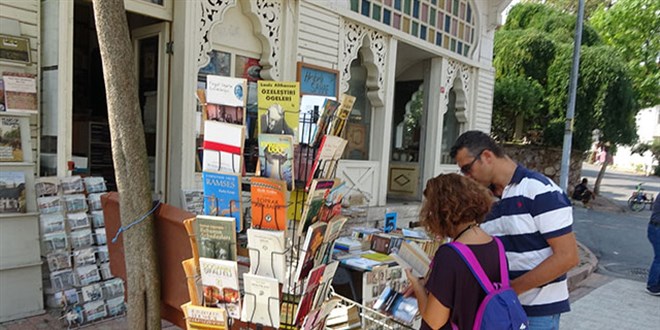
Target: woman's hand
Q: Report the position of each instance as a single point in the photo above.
(415, 284)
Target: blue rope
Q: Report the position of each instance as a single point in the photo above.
(142, 218)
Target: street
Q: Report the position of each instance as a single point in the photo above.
(618, 239)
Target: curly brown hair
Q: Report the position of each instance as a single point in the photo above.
(451, 200)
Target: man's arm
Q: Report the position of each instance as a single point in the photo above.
(564, 257)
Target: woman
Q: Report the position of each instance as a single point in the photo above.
(454, 206)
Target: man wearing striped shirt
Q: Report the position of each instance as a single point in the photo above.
(533, 217)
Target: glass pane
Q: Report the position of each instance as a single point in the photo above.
(408, 112)
(158, 2)
(376, 13)
(219, 64)
(359, 122)
(148, 96)
(387, 14)
(450, 130)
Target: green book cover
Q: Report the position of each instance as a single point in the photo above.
(216, 237)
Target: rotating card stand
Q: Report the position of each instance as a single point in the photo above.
(251, 316)
(233, 161)
(272, 261)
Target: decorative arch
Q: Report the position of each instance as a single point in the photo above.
(371, 45)
(457, 71)
(265, 17)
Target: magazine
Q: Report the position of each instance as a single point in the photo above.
(216, 237)
(222, 196)
(11, 147)
(278, 107)
(262, 301)
(394, 303)
(268, 203)
(276, 158)
(12, 189)
(220, 282)
(267, 253)
(20, 92)
(223, 147)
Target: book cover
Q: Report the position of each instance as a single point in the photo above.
(225, 114)
(339, 121)
(334, 228)
(276, 157)
(319, 190)
(11, 147)
(317, 318)
(394, 303)
(226, 91)
(329, 153)
(278, 107)
(20, 92)
(311, 109)
(328, 112)
(220, 283)
(297, 199)
(267, 257)
(303, 161)
(326, 283)
(410, 255)
(261, 304)
(223, 147)
(381, 243)
(200, 317)
(333, 202)
(309, 293)
(216, 237)
(222, 196)
(268, 203)
(311, 245)
(12, 190)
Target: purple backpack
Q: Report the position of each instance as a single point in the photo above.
(501, 308)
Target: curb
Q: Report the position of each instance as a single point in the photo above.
(588, 264)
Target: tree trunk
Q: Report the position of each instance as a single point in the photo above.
(601, 174)
(518, 131)
(129, 155)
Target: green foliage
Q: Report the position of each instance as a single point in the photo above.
(515, 97)
(654, 148)
(571, 6)
(632, 28)
(536, 44)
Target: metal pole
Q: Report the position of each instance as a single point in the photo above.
(570, 111)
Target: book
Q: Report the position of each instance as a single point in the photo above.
(278, 107)
(326, 283)
(360, 263)
(220, 283)
(311, 245)
(267, 253)
(334, 228)
(309, 293)
(297, 200)
(328, 111)
(12, 190)
(225, 113)
(276, 158)
(200, 317)
(344, 318)
(381, 243)
(410, 255)
(261, 304)
(11, 147)
(223, 147)
(303, 161)
(333, 202)
(20, 92)
(2, 95)
(316, 319)
(216, 237)
(222, 196)
(268, 203)
(339, 121)
(318, 191)
(310, 111)
(329, 153)
(226, 90)
(395, 304)
(190, 268)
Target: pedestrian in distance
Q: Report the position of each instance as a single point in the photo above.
(450, 295)
(581, 192)
(653, 234)
(533, 218)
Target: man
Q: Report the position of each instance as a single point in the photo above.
(273, 122)
(653, 234)
(533, 218)
(582, 193)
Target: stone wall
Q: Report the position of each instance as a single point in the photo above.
(547, 161)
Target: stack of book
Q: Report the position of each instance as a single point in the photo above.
(74, 245)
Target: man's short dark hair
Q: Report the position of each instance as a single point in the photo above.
(584, 180)
(475, 142)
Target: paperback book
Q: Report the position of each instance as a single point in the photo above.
(329, 153)
(216, 237)
(20, 92)
(222, 196)
(12, 190)
(410, 255)
(220, 285)
(309, 293)
(276, 158)
(223, 147)
(329, 111)
(226, 90)
(268, 203)
(339, 121)
(311, 246)
(200, 317)
(11, 147)
(262, 301)
(267, 253)
(278, 107)
(318, 191)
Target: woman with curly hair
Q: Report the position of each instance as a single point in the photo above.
(454, 207)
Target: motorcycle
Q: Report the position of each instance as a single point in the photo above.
(639, 199)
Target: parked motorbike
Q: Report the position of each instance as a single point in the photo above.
(639, 199)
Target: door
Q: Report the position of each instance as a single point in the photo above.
(152, 60)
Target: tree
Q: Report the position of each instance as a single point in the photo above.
(571, 6)
(129, 155)
(518, 98)
(632, 29)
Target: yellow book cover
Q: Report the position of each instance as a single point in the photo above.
(279, 107)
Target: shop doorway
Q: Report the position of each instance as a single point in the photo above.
(91, 148)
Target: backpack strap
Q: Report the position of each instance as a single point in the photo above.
(475, 267)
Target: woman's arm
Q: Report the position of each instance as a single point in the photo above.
(434, 313)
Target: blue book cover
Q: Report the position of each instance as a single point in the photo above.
(222, 196)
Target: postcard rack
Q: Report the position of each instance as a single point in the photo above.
(371, 318)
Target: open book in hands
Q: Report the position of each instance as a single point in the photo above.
(410, 255)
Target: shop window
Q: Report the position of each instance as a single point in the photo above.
(358, 127)
(233, 64)
(451, 128)
(408, 113)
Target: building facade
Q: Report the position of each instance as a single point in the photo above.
(421, 71)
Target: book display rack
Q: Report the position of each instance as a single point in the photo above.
(76, 270)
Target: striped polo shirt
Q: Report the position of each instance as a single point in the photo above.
(531, 210)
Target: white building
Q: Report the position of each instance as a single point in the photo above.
(648, 130)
